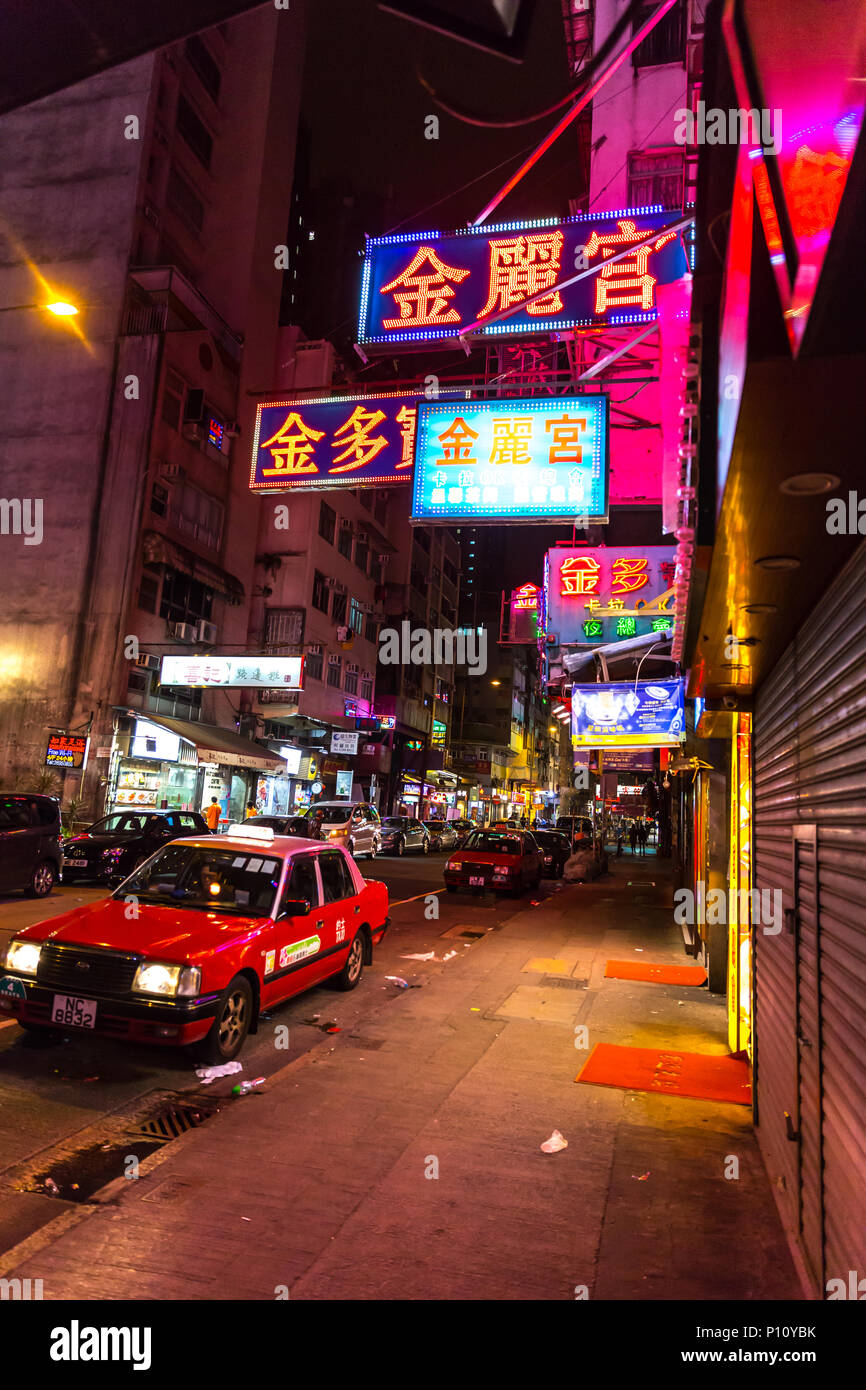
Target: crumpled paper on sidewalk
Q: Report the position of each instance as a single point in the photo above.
(556, 1142)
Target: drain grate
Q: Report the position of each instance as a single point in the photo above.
(563, 982)
(174, 1119)
(368, 1044)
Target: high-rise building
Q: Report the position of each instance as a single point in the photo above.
(155, 198)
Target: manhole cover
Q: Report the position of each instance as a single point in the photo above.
(368, 1044)
(563, 982)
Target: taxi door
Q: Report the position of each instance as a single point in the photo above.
(340, 914)
(292, 948)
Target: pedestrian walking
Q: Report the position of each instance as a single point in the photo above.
(632, 836)
(641, 836)
(619, 839)
(252, 810)
(212, 815)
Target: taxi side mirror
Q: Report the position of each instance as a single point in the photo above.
(294, 907)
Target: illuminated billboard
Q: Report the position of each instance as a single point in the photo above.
(281, 672)
(642, 714)
(536, 459)
(350, 441)
(423, 286)
(608, 593)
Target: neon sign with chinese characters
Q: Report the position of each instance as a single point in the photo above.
(609, 592)
(349, 441)
(430, 285)
(523, 459)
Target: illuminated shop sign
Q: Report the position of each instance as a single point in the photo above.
(523, 625)
(285, 672)
(328, 442)
(535, 459)
(609, 593)
(641, 714)
(428, 285)
(67, 751)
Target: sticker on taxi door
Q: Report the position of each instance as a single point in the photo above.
(299, 950)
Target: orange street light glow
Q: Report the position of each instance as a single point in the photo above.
(61, 308)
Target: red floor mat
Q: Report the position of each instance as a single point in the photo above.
(657, 974)
(668, 1072)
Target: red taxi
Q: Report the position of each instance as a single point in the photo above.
(191, 948)
(506, 859)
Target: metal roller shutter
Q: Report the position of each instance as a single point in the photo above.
(810, 979)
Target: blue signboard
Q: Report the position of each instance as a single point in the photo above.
(536, 459)
(350, 441)
(648, 714)
(423, 286)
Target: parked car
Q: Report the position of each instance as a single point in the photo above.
(282, 825)
(111, 848)
(578, 828)
(442, 834)
(225, 926)
(401, 833)
(31, 836)
(506, 859)
(555, 850)
(354, 824)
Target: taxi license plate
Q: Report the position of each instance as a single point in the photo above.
(70, 1010)
(476, 882)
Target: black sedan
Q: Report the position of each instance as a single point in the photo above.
(555, 850)
(284, 825)
(111, 848)
(402, 833)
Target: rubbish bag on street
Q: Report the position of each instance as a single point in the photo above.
(556, 1142)
(578, 867)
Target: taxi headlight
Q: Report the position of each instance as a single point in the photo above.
(167, 981)
(23, 956)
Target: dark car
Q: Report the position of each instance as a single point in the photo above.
(400, 833)
(282, 825)
(30, 843)
(113, 847)
(555, 850)
(578, 828)
(463, 828)
(442, 834)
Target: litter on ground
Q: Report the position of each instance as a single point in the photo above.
(556, 1142)
(208, 1074)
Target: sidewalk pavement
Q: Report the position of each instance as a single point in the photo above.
(405, 1163)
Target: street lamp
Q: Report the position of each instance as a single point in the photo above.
(61, 308)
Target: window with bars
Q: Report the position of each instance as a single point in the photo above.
(656, 177)
(366, 690)
(356, 617)
(666, 43)
(350, 684)
(204, 65)
(184, 599)
(284, 627)
(197, 514)
(371, 628)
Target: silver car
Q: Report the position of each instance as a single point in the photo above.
(402, 833)
(354, 824)
(442, 834)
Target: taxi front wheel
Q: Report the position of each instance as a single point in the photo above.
(231, 1024)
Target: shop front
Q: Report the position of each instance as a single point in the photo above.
(159, 763)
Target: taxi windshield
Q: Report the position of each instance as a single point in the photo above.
(492, 842)
(222, 880)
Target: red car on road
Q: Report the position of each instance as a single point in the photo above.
(505, 859)
(191, 948)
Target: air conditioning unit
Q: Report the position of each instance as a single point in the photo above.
(315, 649)
(192, 430)
(206, 632)
(352, 668)
(232, 429)
(363, 535)
(334, 659)
(383, 559)
(184, 632)
(172, 472)
(146, 661)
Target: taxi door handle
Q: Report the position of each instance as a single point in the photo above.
(320, 924)
(357, 907)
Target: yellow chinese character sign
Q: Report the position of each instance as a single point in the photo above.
(511, 279)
